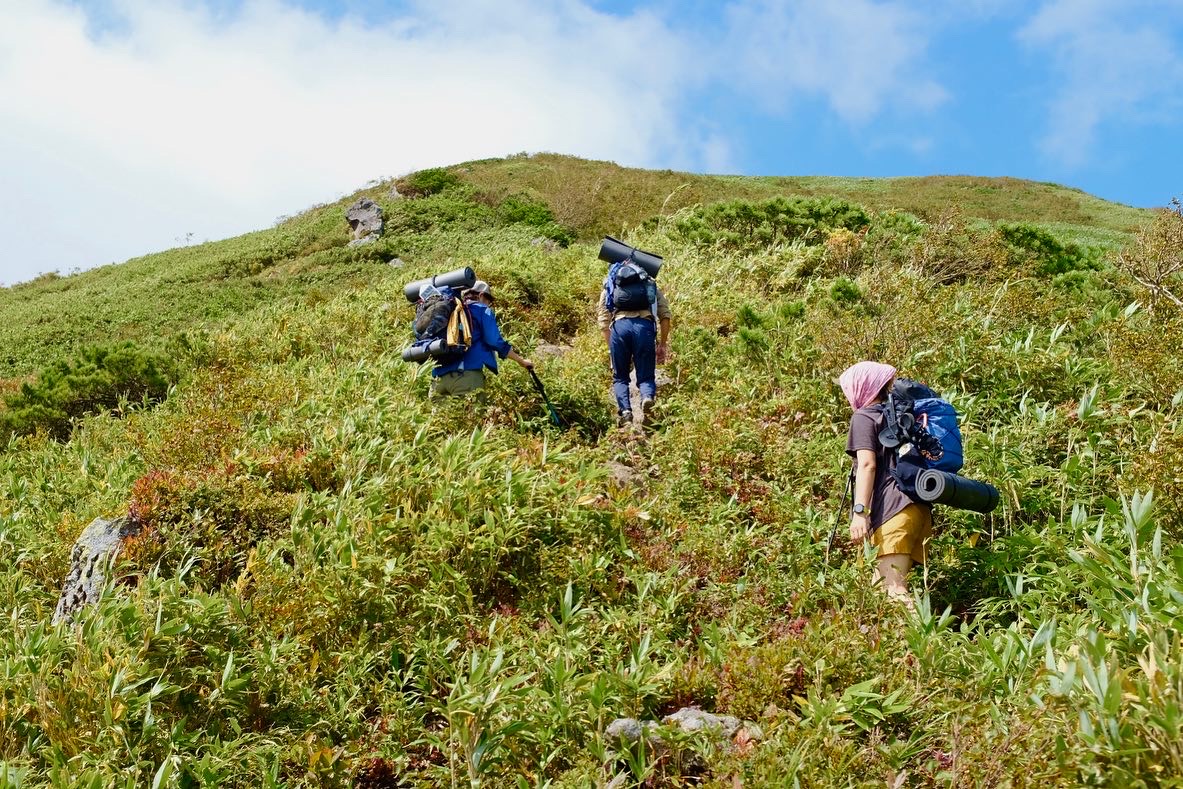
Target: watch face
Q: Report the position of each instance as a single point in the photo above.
(860, 509)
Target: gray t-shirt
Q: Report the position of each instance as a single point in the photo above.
(887, 499)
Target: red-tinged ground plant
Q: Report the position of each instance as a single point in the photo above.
(221, 512)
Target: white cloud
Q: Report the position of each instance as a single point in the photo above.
(1117, 62)
(181, 122)
(177, 119)
(861, 56)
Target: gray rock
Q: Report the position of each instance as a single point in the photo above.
(96, 547)
(365, 219)
(620, 781)
(549, 244)
(692, 719)
(621, 475)
(395, 263)
(545, 349)
(357, 242)
(394, 193)
(755, 733)
(628, 729)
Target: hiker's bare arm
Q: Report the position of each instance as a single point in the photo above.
(864, 485)
(663, 341)
(522, 360)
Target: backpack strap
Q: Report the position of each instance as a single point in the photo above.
(889, 436)
(609, 288)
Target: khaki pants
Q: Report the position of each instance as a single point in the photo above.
(458, 383)
(906, 532)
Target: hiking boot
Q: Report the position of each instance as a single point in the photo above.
(624, 419)
(647, 406)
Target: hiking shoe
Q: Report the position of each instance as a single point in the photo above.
(647, 405)
(624, 419)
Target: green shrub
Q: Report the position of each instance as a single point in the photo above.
(427, 182)
(453, 208)
(891, 236)
(791, 310)
(746, 225)
(748, 317)
(526, 210)
(1050, 257)
(98, 380)
(845, 292)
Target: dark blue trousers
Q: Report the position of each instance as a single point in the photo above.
(633, 343)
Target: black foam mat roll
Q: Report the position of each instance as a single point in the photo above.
(614, 250)
(941, 487)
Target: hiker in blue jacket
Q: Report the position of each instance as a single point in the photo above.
(636, 338)
(468, 374)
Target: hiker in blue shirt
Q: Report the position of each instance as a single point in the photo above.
(468, 374)
(637, 338)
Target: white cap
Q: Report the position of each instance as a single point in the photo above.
(481, 287)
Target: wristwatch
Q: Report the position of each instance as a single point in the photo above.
(861, 509)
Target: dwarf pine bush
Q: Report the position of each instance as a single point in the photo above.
(750, 226)
(100, 378)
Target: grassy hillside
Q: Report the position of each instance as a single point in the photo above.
(339, 584)
(597, 198)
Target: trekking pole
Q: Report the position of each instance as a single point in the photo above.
(846, 491)
(554, 415)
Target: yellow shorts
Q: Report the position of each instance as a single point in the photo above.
(905, 532)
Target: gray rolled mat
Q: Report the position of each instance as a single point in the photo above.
(421, 353)
(941, 487)
(460, 278)
(614, 250)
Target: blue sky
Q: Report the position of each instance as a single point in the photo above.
(126, 125)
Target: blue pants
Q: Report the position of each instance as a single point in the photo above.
(633, 342)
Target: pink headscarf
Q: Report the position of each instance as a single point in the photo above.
(861, 382)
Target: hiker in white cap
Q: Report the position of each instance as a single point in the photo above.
(468, 373)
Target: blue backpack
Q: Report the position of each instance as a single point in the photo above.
(921, 426)
(629, 287)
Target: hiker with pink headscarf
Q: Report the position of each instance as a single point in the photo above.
(883, 513)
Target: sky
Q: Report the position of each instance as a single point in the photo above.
(133, 126)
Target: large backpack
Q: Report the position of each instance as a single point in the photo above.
(921, 428)
(629, 287)
(442, 326)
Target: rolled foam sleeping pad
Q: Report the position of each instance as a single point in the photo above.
(941, 487)
(460, 278)
(421, 353)
(613, 251)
